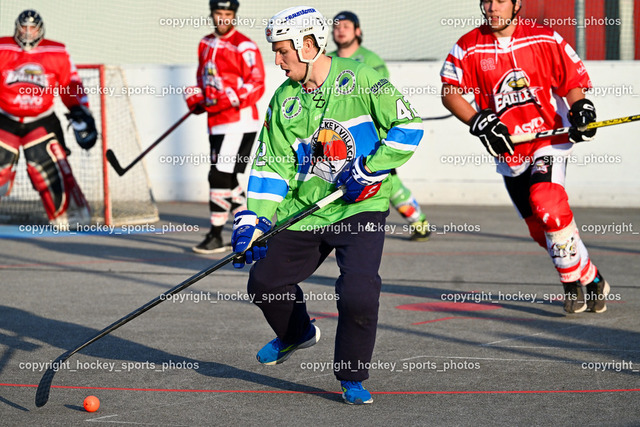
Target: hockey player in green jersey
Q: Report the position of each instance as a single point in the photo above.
(333, 123)
(347, 35)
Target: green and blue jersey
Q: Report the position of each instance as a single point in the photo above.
(309, 136)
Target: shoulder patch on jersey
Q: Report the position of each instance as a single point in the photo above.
(346, 82)
(378, 86)
(571, 53)
(291, 107)
(449, 71)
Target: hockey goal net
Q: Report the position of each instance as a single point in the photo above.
(114, 200)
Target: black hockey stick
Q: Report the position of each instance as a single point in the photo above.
(113, 161)
(42, 393)
(525, 137)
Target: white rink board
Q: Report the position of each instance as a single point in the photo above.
(612, 177)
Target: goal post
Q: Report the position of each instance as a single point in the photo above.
(114, 200)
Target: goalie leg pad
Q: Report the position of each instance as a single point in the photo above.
(52, 177)
(8, 159)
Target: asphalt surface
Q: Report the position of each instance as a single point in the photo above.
(470, 332)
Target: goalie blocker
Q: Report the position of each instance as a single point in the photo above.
(84, 126)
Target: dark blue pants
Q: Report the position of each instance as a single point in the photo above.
(293, 256)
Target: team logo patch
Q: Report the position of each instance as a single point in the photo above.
(514, 90)
(565, 249)
(28, 73)
(332, 147)
(291, 107)
(346, 82)
(540, 166)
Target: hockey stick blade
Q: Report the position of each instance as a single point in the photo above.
(526, 137)
(111, 157)
(113, 161)
(44, 387)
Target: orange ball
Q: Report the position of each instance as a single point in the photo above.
(91, 404)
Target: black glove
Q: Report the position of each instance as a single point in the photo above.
(492, 132)
(581, 114)
(84, 126)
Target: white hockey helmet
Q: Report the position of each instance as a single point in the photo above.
(294, 24)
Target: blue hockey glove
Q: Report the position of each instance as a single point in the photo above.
(247, 227)
(360, 184)
(581, 114)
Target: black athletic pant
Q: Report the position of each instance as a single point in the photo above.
(293, 256)
(223, 183)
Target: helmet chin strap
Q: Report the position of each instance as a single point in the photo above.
(309, 63)
(307, 75)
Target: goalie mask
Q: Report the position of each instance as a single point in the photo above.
(29, 30)
(294, 24)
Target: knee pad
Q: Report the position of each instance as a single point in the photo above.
(8, 160)
(550, 205)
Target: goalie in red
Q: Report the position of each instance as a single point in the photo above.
(34, 70)
(521, 74)
(230, 81)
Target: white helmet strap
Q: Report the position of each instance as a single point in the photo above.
(309, 63)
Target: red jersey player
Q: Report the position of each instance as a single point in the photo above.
(34, 70)
(230, 81)
(521, 74)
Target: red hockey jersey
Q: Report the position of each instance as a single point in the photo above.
(231, 76)
(522, 79)
(30, 80)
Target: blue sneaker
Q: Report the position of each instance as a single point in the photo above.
(354, 394)
(276, 351)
